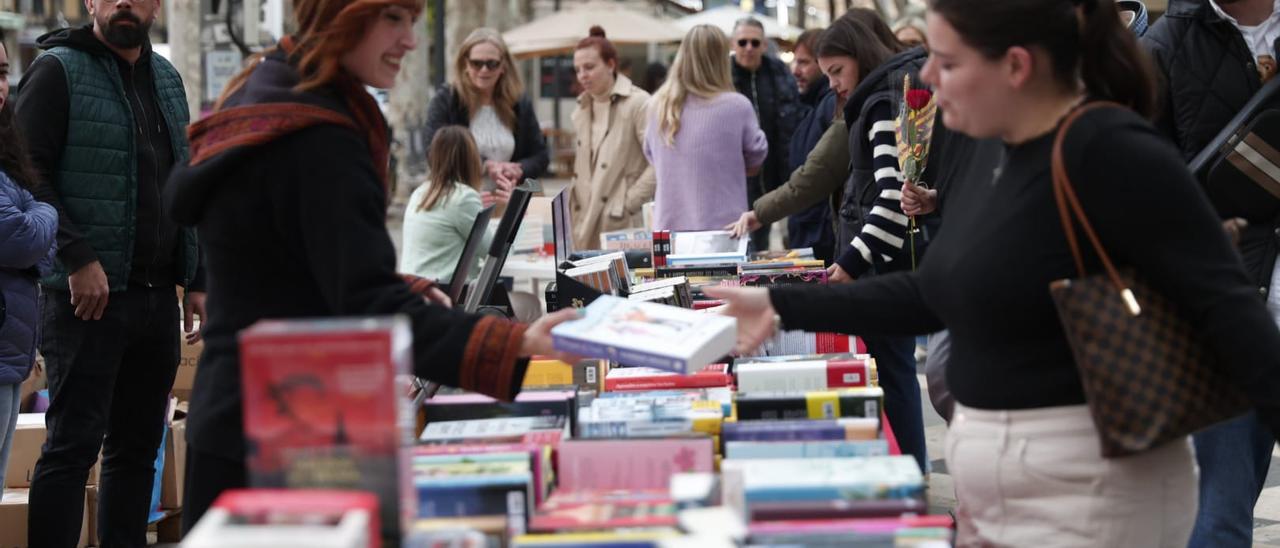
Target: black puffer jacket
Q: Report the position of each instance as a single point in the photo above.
(773, 92)
(1208, 74)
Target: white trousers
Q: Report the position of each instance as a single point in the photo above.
(1036, 478)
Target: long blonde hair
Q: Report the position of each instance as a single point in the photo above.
(506, 93)
(701, 68)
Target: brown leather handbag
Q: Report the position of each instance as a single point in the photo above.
(1147, 374)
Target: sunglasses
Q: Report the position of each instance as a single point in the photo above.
(754, 43)
(491, 64)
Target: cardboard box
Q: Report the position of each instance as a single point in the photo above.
(34, 383)
(28, 441)
(28, 438)
(175, 466)
(186, 376)
(13, 520)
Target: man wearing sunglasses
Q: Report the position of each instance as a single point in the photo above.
(772, 89)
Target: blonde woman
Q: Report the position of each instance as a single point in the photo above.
(488, 98)
(612, 178)
(702, 138)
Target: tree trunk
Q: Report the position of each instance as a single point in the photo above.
(463, 17)
(184, 42)
(407, 111)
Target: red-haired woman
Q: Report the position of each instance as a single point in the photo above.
(287, 184)
(612, 179)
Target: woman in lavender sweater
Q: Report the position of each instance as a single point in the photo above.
(702, 138)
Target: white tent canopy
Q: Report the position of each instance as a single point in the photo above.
(725, 16)
(560, 32)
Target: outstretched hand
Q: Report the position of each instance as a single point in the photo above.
(757, 320)
(537, 338)
(746, 224)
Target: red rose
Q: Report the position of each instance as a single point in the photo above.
(918, 98)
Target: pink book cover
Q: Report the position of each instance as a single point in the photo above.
(631, 464)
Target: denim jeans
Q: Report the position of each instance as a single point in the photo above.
(896, 365)
(1234, 457)
(109, 383)
(8, 421)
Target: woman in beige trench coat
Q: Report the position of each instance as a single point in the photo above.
(612, 179)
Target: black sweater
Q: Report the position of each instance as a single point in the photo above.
(987, 275)
(296, 228)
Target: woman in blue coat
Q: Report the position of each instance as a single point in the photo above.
(27, 230)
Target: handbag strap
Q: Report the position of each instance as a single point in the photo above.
(1068, 204)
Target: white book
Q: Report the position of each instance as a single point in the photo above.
(706, 247)
(647, 334)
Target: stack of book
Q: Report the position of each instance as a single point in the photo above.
(669, 291)
(607, 273)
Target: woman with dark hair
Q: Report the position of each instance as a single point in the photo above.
(612, 179)
(313, 242)
(487, 96)
(27, 230)
(1023, 448)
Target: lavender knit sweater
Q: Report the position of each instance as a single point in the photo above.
(702, 179)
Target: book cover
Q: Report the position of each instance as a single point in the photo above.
(617, 261)
(649, 538)
(815, 430)
(631, 464)
(706, 247)
(647, 334)
(852, 478)
(826, 404)
(803, 373)
(630, 238)
(321, 411)
(648, 378)
(805, 449)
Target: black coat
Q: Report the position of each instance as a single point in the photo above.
(1208, 74)
(776, 98)
(446, 109)
(295, 227)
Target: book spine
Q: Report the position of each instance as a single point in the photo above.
(859, 491)
(441, 501)
(623, 356)
(769, 511)
(633, 429)
(666, 382)
(806, 449)
(784, 434)
(697, 271)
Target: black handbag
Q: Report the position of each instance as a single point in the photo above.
(1240, 168)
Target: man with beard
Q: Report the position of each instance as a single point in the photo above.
(811, 227)
(106, 119)
(772, 89)
(1213, 56)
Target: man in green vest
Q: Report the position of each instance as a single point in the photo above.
(106, 120)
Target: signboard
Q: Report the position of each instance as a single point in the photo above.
(219, 67)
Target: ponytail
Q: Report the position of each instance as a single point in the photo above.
(1112, 65)
(1085, 39)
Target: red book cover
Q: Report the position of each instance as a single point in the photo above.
(847, 373)
(322, 408)
(624, 379)
(835, 343)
